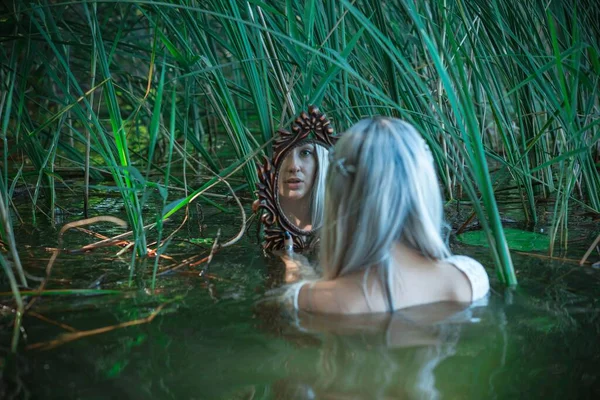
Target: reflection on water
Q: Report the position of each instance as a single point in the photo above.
(383, 356)
(537, 342)
(236, 346)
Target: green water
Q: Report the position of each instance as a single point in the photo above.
(218, 338)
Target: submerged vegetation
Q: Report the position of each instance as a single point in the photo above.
(174, 98)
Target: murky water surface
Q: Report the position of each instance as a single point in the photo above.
(216, 338)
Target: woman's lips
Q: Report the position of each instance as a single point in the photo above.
(294, 183)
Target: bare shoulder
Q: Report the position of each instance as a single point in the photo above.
(339, 296)
(318, 297)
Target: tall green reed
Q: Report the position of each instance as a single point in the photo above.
(486, 82)
(7, 235)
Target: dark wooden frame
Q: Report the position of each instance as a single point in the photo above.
(309, 122)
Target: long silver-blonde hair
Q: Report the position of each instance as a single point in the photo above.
(381, 188)
(318, 190)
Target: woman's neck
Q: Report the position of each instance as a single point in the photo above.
(408, 256)
(297, 212)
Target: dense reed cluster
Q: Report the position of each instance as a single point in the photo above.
(137, 90)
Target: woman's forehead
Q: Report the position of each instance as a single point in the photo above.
(307, 146)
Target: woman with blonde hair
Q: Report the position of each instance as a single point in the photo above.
(302, 185)
(382, 241)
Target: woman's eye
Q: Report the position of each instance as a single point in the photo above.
(305, 153)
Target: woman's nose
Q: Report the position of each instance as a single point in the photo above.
(294, 167)
(294, 164)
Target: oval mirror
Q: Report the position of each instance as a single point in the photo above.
(291, 184)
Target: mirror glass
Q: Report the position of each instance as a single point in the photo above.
(301, 185)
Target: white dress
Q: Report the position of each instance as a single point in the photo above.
(480, 283)
(473, 270)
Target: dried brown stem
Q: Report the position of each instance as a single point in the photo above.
(545, 257)
(51, 321)
(215, 246)
(185, 218)
(69, 337)
(182, 264)
(189, 263)
(466, 223)
(589, 251)
(243, 227)
(65, 228)
(108, 242)
(212, 251)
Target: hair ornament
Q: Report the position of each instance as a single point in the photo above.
(340, 164)
(344, 169)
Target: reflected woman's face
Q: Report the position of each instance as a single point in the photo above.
(297, 173)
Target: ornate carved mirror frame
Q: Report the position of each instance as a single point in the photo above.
(273, 218)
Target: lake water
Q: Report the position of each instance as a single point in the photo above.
(217, 338)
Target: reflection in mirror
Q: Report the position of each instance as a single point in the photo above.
(301, 185)
(290, 185)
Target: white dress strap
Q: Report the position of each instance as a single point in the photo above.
(480, 283)
(291, 294)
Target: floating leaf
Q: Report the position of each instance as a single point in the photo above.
(517, 239)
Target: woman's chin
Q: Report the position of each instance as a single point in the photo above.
(294, 195)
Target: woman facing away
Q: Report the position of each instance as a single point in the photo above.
(382, 241)
(301, 185)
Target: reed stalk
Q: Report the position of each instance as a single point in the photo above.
(486, 83)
